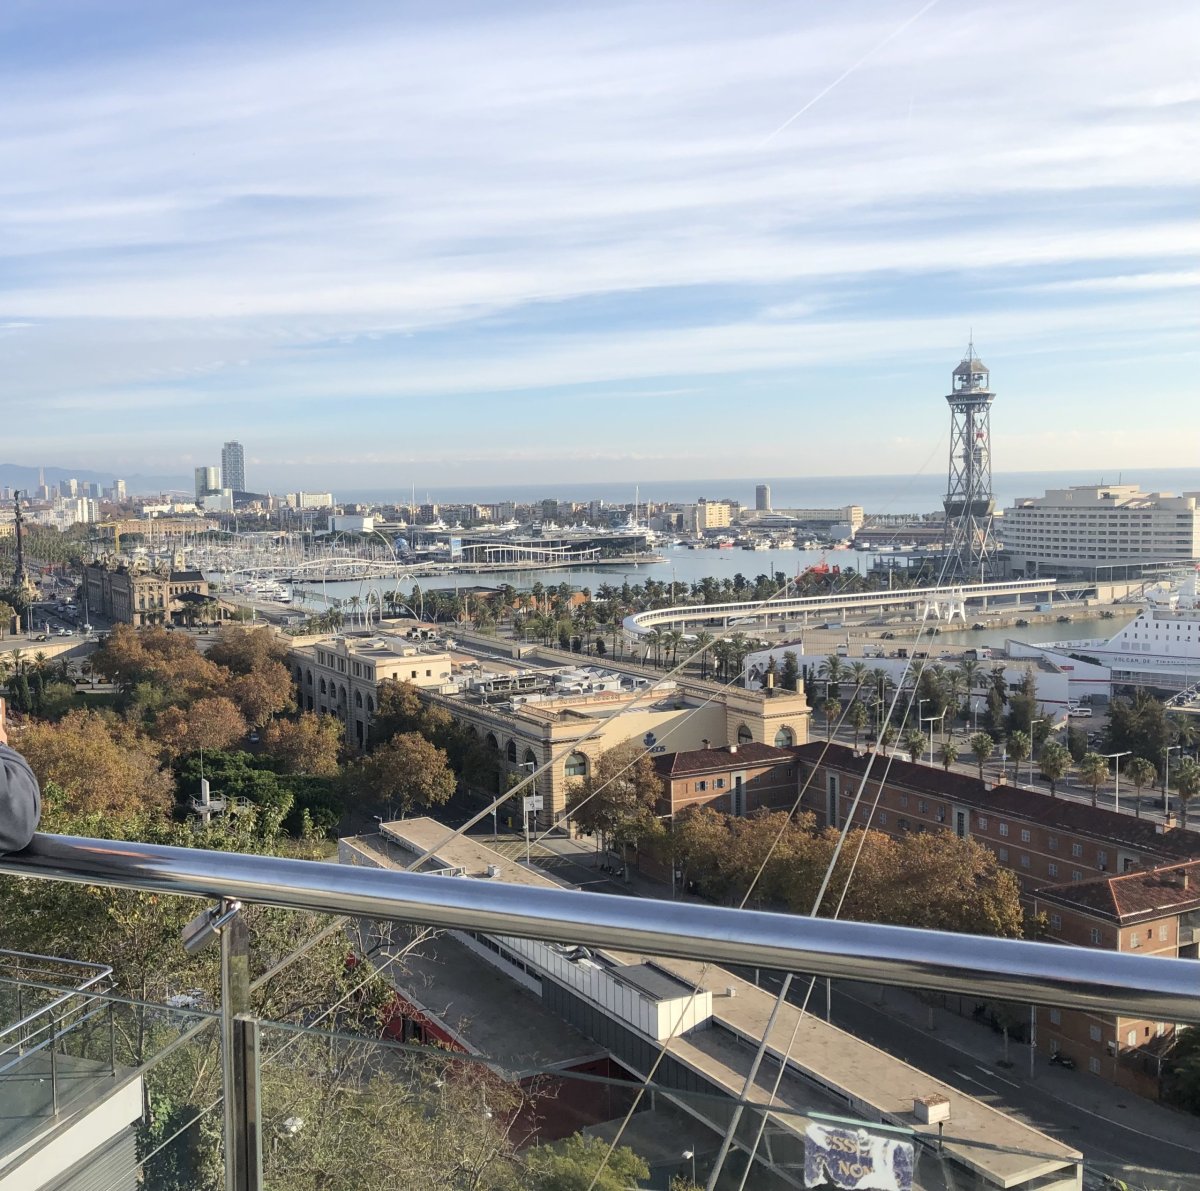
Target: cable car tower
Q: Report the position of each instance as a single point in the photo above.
(969, 542)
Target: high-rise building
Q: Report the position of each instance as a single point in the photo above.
(68, 488)
(208, 479)
(118, 489)
(233, 466)
(762, 498)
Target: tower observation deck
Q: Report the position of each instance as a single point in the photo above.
(969, 503)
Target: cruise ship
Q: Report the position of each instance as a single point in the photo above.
(1159, 647)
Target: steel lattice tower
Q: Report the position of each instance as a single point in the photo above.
(970, 545)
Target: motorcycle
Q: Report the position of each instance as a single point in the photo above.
(1058, 1059)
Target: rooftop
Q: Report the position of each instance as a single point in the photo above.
(1066, 815)
(719, 759)
(1133, 897)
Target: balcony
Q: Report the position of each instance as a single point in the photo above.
(523, 1012)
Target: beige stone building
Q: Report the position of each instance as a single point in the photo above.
(341, 675)
(536, 710)
(139, 595)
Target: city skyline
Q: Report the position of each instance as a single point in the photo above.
(406, 247)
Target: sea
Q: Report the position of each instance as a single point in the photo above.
(919, 493)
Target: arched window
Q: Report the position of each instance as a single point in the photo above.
(358, 699)
(492, 742)
(785, 738)
(530, 757)
(342, 693)
(577, 765)
(744, 735)
(370, 705)
(322, 686)
(299, 674)
(512, 751)
(308, 677)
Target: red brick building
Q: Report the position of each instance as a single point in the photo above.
(736, 779)
(1153, 911)
(1044, 840)
(1102, 879)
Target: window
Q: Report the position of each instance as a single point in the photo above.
(1052, 843)
(1056, 1017)
(358, 699)
(1094, 1065)
(1024, 859)
(1102, 859)
(511, 751)
(744, 735)
(1004, 829)
(903, 824)
(883, 818)
(322, 686)
(1076, 849)
(1095, 934)
(983, 823)
(1052, 870)
(904, 800)
(428, 673)
(1164, 932)
(1135, 941)
(922, 806)
(1076, 875)
(576, 765)
(1056, 922)
(1131, 1038)
(1003, 854)
(720, 783)
(1024, 836)
(784, 738)
(1094, 1033)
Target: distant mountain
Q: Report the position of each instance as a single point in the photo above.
(13, 475)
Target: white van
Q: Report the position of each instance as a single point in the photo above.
(1079, 713)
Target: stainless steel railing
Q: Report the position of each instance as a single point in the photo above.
(1040, 973)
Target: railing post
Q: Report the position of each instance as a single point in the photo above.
(54, 1066)
(239, 1059)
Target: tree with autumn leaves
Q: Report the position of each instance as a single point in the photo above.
(932, 880)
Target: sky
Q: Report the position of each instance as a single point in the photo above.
(385, 244)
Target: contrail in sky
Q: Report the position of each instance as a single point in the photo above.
(849, 71)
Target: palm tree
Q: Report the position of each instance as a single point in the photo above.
(1093, 771)
(1187, 786)
(887, 737)
(859, 716)
(1141, 773)
(969, 669)
(832, 669)
(704, 642)
(355, 603)
(914, 744)
(1055, 761)
(859, 675)
(947, 754)
(983, 746)
(1019, 747)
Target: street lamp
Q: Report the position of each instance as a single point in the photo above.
(1031, 745)
(692, 1155)
(931, 720)
(1117, 776)
(1167, 775)
(526, 805)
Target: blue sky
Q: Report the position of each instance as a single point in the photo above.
(378, 243)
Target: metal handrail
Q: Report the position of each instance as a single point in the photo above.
(1148, 987)
(101, 972)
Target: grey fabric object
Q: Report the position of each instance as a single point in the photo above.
(20, 801)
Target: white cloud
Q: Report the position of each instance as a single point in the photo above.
(212, 212)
